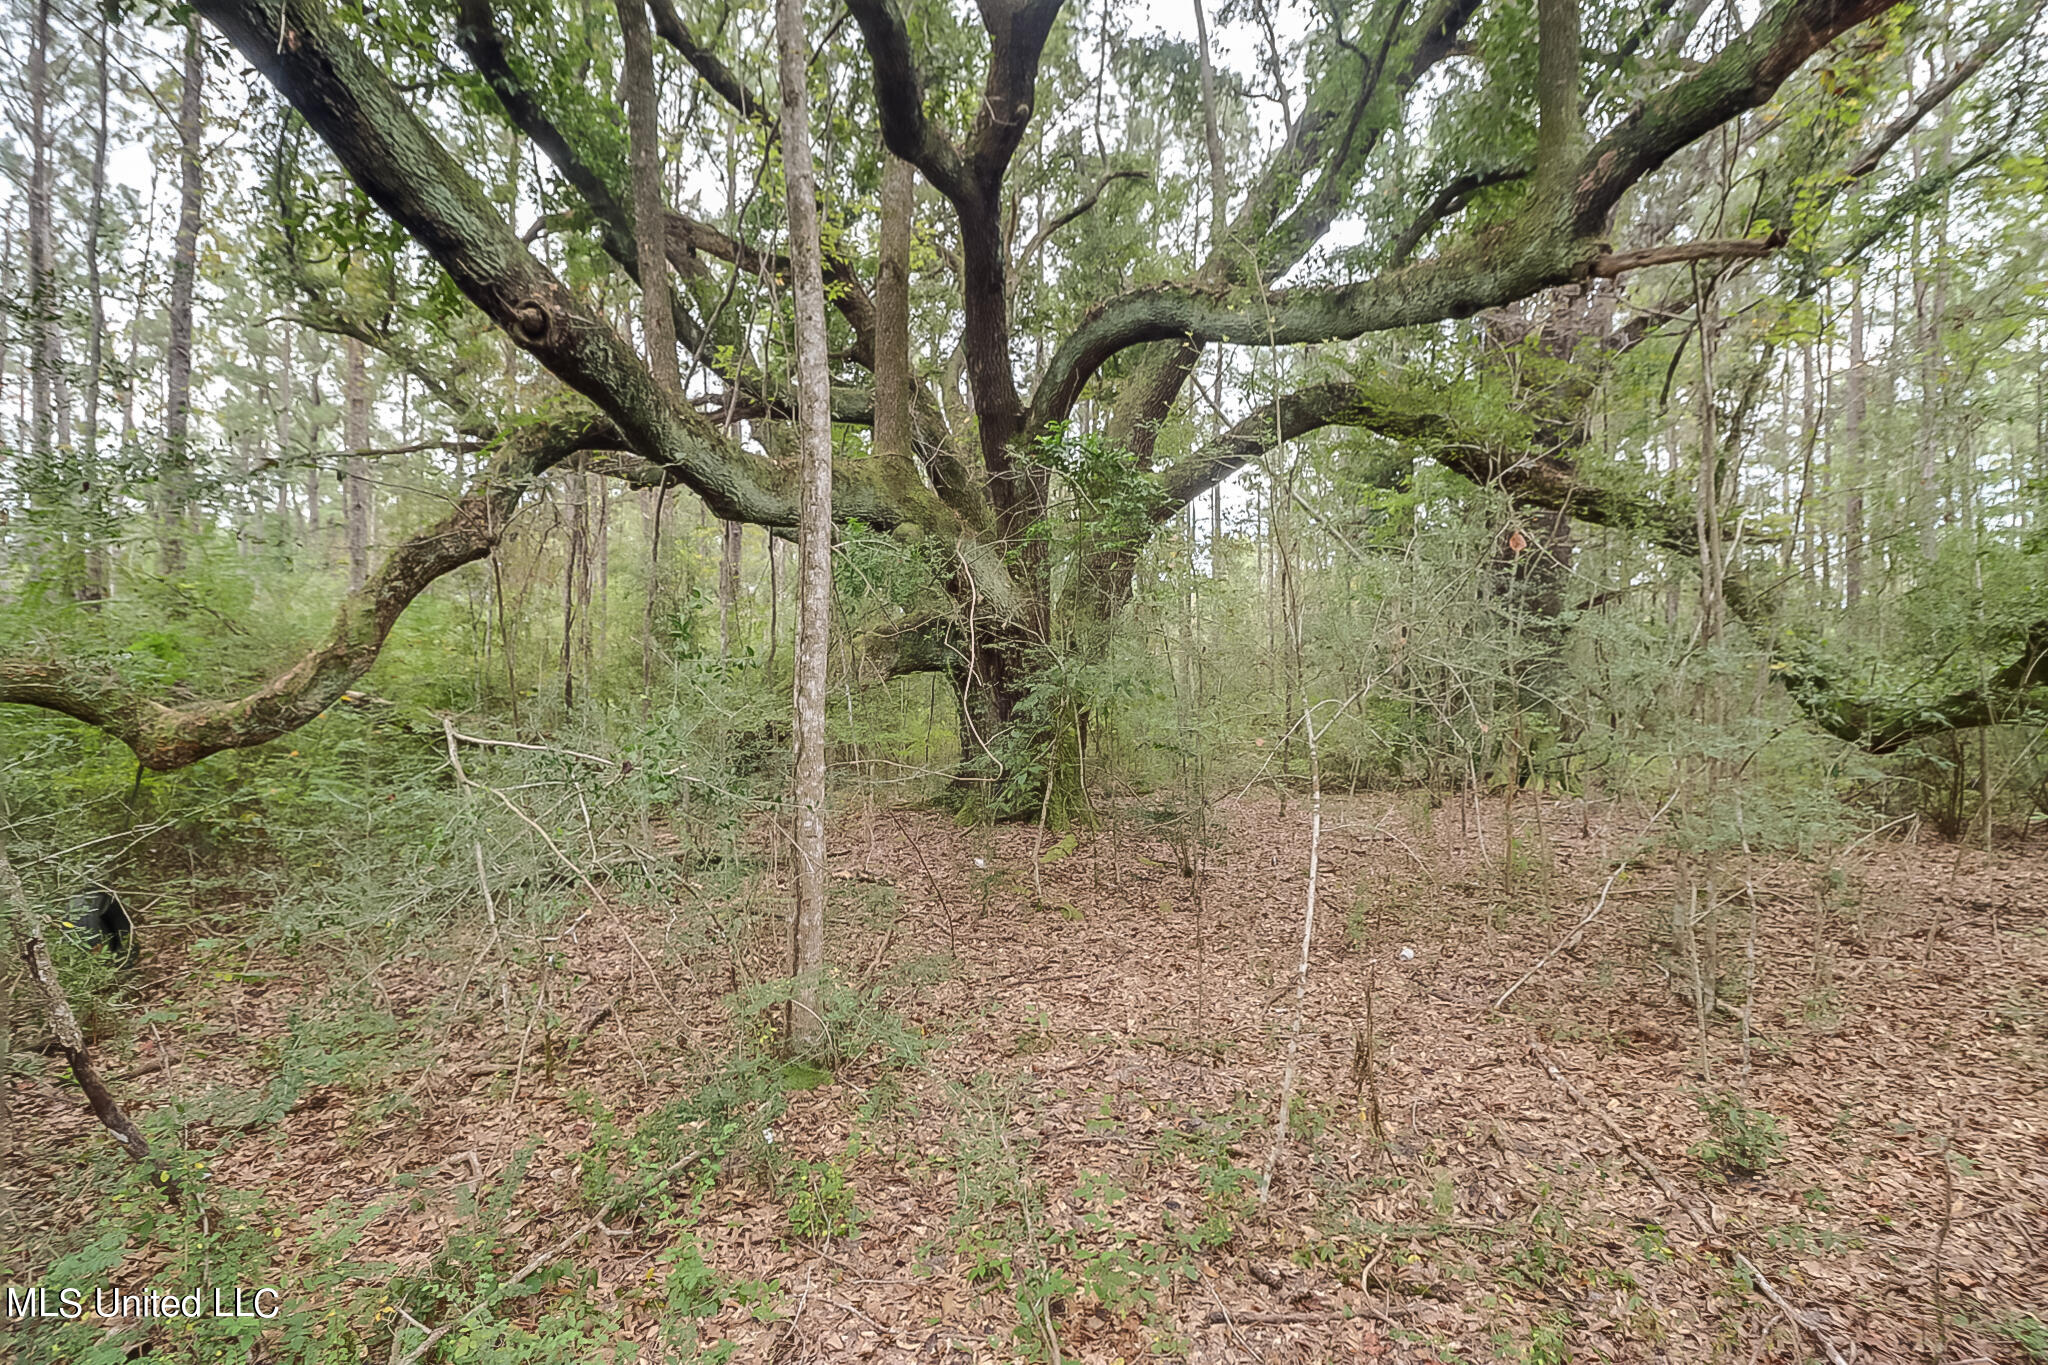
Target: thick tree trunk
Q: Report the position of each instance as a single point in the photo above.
(175, 468)
(1021, 738)
(650, 232)
(1532, 570)
(814, 525)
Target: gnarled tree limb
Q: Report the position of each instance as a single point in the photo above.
(714, 72)
(1556, 242)
(1886, 724)
(167, 737)
(405, 170)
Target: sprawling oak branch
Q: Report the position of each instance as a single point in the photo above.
(1289, 206)
(1455, 194)
(714, 72)
(404, 169)
(1532, 476)
(900, 98)
(166, 737)
(1551, 479)
(1556, 241)
(972, 180)
(1886, 724)
(1610, 264)
(1309, 181)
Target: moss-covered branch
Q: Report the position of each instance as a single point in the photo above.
(1557, 240)
(385, 147)
(166, 737)
(1885, 724)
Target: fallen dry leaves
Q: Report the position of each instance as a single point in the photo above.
(1098, 1044)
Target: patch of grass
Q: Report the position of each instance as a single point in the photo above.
(1548, 1341)
(2023, 1330)
(821, 1203)
(1740, 1140)
(857, 1024)
(358, 1049)
(992, 1184)
(1822, 1009)
(729, 1120)
(1213, 1147)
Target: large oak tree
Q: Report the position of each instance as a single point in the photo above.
(969, 487)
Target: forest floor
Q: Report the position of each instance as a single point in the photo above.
(1050, 1143)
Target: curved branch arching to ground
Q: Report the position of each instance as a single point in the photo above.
(1883, 725)
(1552, 480)
(166, 738)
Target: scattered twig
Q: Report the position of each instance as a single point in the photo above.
(546, 1258)
(1308, 929)
(1323, 1315)
(653, 977)
(35, 953)
(1700, 1220)
(455, 736)
(1571, 939)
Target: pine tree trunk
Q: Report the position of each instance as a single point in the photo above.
(46, 483)
(97, 571)
(730, 543)
(1804, 530)
(43, 345)
(572, 571)
(288, 516)
(1219, 177)
(6, 284)
(356, 490)
(175, 476)
(1852, 452)
(814, 525)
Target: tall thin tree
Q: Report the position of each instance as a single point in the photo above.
(356, 477)
(44, 353)
(97, 572)
(657, 323)
(175, 469)
(814, 522)
(288, 516)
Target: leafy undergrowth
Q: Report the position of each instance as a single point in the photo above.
(1054, 1098)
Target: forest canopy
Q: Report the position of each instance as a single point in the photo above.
(1122, 272)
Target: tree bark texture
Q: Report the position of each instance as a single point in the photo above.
(356, 479)
(814, 529)
(175, 469)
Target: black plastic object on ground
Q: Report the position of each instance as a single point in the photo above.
(96, 919)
